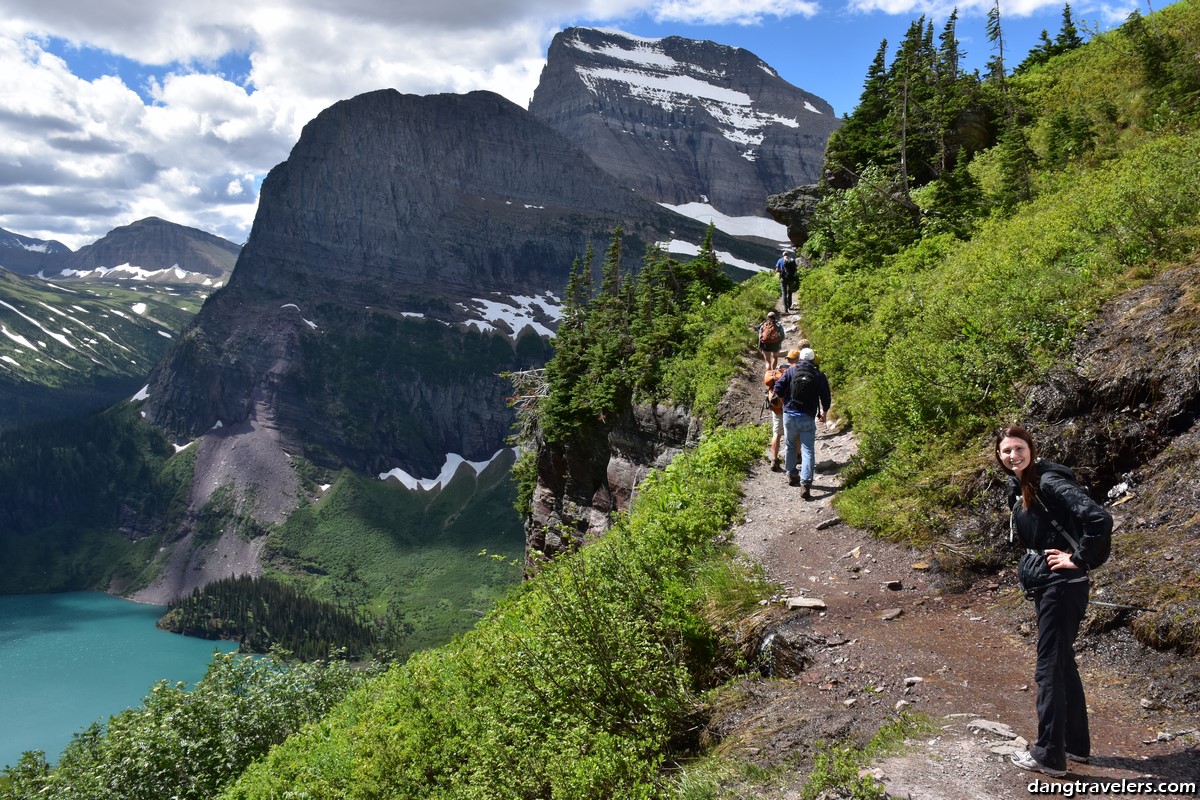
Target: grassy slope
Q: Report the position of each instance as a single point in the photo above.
(435, 561)
(573, 687)
(937, 347)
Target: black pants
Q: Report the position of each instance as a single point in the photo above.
(785, 289)
(1061, 706)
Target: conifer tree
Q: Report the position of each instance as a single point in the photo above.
(951, 97)
(863, 139)
(1016, 154)
(1068, 35)
(604, 387)
(565, 368)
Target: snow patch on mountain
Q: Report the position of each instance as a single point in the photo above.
(453, 462)
(515, 313)
(761, 227)
(650, 75)
(680, 247)
(174, 273)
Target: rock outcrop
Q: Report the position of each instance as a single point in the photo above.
(581, 485)
(795, 209)
(683, 121)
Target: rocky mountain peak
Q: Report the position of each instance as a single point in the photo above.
(681, 120)
(26, 255)
(352, 321)
(154, 249)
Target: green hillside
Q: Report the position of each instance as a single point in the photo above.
(69, 349)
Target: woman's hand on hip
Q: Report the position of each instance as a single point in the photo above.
(1057, 560)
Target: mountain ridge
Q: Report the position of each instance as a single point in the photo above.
(150, 249)
(682, 120)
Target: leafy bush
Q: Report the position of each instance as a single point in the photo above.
(188, 744)
(937, 343)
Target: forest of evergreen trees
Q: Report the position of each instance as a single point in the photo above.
(263, 614)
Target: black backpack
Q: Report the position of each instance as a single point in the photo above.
(803, 387)
(789, 268)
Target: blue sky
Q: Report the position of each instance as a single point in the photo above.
(112, 111)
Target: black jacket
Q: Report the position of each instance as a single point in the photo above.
(818, 402)
(1061, 498)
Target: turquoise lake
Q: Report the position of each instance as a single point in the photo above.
(67, 660)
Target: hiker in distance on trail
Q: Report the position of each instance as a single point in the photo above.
(770, 339)
(1066, 534)
(787, 271)
(806, 400)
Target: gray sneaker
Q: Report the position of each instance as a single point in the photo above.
(1025, 760)
(1079, 759)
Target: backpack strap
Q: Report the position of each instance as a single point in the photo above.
(1058, 527)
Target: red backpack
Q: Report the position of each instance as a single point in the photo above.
(771, 333)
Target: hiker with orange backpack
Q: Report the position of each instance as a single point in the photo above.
(770, 339)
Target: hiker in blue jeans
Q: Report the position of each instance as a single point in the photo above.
(805, 390)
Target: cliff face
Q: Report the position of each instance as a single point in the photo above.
(683, 121)
(394, 261)
(394, 199)
(581, 486)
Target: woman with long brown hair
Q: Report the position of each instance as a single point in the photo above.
(1057, 521)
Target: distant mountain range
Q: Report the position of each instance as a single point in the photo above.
(25, 255)
(411, 249)
(82, 330)
(149, 250)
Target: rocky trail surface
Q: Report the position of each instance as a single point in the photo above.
(891, 637)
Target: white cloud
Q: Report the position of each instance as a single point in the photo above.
(741, 12)
(215, 94)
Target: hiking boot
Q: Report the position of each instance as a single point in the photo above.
(1079, 759)
(776, 466)
(1025, 760)
(793, 480)
(806, 494)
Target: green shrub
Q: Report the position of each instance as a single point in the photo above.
(935, 346)
(189, 744)
(575, 686)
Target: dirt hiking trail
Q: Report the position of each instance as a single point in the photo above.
(892, 637)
